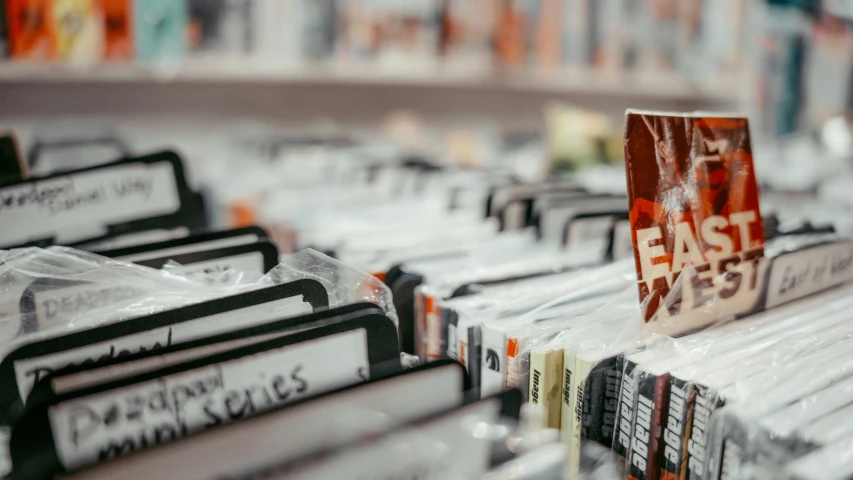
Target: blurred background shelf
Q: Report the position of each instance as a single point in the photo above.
(665, 86)
(339, 91)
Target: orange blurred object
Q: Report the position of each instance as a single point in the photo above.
(510, 35)
(242, 213)
(380, 275)
(31, 32)
(118, 29)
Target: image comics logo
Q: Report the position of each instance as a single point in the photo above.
(492, 360)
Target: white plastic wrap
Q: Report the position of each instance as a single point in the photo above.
(591, 324)
(525, 301)
(737, 373)
(613, 322)
(343, 283)
(85, 290)
(82, 290)
(792, 268)
(768, 418)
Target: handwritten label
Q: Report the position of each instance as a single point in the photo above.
(305, 429)
(799, 274)
(101, 375)
(57, 306)
(109, 424)
(30, 370)
(81, 205)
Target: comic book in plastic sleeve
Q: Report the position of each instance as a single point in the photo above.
(601, 396)
(623, 428)
(710, 385)
(32, 34)
(693, 201)
(735, 432)
(118, 34)
(546, 368)
(79, 36)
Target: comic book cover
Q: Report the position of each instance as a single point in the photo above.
(118, 29)
(694, 209)
(159, 29)
(31, 32)
(511, 29)
(79, 34)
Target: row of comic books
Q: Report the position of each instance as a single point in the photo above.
(731, 365)
(687, 327)
(157, 347)
(608, 34)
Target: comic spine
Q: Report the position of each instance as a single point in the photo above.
(582, 369)
(727, 465)
(622, 443)
(536, 394)
(523, 380)
(705, 402)
(493, 369)
(433, 329)
(462, 326)
(650, 407)
(601, 402)
(546, 368)
(449, 320)
(475, 355)
(568, 383)
(513, 362)
(420, 322)
(673, 458)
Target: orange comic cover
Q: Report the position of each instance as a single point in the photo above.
(510, 32)
(118, 33)
(693, 201)
(31, 32)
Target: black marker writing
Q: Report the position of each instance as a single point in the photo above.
(36, 194)
(264, 394)
(78, 199)
(135, 185)
(40, 371)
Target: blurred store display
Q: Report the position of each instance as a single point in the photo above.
(474, 37)
(786, 63)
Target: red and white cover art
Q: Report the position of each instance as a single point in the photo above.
(694, 208)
